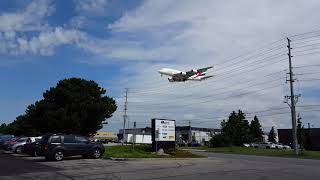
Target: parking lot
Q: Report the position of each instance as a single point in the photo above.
(219, 166)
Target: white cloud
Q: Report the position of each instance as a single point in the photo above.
(184, 35)
(96, 6)
(44, 38)
(192, 34)
(43, 44)
(29, 19)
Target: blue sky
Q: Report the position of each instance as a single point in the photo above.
(26, 76)
(122, 43)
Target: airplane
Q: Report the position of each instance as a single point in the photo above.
(180, 76)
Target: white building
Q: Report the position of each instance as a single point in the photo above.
(185, 134)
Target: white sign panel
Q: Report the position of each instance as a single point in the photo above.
(165, 130)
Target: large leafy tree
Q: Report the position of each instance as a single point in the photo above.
(272, 136)
(3, 128)
(255, 130)
(236, 128)
(74, 106)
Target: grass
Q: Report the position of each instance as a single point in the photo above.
(143, 151)
(262, 152)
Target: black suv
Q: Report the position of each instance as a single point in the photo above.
(57, 146)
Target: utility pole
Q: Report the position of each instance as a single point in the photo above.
(125, 116)
(189, 133)
(134, 134)
(293, 102)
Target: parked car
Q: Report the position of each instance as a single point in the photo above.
(194, 144)
(279, 146)
(264, 145)
(9, 143)
(17, 146)
(5, 138)
(30, 147)
(246, 145)
(282, 146)
(57, 146)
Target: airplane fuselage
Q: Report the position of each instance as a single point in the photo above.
(180, 76)
(170, 72)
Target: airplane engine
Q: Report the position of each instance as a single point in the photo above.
(170, 80)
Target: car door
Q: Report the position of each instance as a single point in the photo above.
(83, 145)
(70, 145)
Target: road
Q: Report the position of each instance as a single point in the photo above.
(217, 166)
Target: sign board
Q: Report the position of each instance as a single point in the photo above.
(165, 130)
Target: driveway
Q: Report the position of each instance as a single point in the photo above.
(217, 166)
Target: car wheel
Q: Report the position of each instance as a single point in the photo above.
(267, 147)
(96, 153)
(58, 155)
(18, 150)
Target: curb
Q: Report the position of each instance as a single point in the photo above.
(195, 150)
(150, 159)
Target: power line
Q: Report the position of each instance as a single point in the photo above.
(224, 92)
(303, 66)
(305, 33)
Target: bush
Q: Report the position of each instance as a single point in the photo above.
(219, 140)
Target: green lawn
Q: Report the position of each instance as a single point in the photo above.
(262, 152)
(143, 151)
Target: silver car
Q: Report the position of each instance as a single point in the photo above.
(18, 147)
(282, 146)
(265, 145)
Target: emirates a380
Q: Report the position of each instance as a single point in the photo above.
(181, 76)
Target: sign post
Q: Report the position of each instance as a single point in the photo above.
(163, 134)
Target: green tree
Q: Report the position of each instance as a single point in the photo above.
(74, 106)
(272, 136)
(236, 129)
(255, 130)
(3, 128)
(300, 132)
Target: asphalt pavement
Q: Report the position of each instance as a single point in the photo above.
(217, 166)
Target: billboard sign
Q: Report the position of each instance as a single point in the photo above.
(165, 130)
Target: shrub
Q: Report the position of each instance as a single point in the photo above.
(219, 140)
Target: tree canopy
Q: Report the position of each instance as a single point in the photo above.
(272, 136)
(255, 130)
(73, 106)
(236, 128)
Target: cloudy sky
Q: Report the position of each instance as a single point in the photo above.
(121, 44)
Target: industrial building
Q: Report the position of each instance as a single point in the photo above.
(185, 134)
(105, 135)
(312, 137)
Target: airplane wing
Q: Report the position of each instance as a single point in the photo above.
(206, 77)
(193, 72)
(204, 69)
